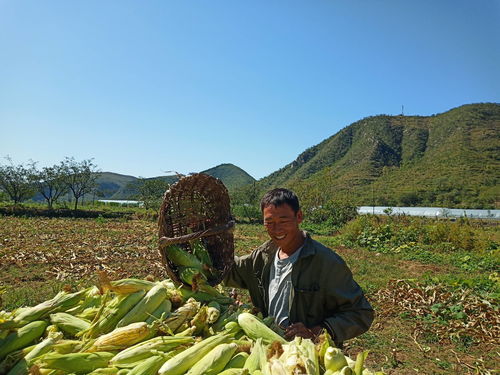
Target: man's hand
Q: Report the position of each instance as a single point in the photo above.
(299, 329)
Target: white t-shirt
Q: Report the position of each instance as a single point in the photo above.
(280, 288)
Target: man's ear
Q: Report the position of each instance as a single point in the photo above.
(300, 216)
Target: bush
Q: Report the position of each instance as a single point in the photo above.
(247, 212)
(329, 217)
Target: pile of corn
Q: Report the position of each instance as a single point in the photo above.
(133, 326)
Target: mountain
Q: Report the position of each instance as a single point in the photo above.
(231, 175)
(450, 159)
(114, 185)
(117, 186)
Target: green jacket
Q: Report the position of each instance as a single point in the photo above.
(324, 292)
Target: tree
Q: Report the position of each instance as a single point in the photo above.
(245, 202)
(17, 180)
(51, 183)
(151, 192)
(80, 177)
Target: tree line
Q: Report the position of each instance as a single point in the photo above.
(22, 181)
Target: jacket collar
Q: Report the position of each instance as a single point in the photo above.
(308, 249)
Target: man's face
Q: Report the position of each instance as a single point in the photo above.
(282, 225)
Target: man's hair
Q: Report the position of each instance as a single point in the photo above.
(278, 197)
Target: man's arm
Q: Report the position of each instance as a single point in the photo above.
(237, 276)
(353, 314)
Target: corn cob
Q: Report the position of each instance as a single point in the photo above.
(78, 363)
(310, 356)
(123, 337)
(149, 366)
(360, 359)
(344, 371)
(213, 312)
(105, 371)
(253, 362)
(334, 359)
(235, 371)
(181, 315)
(116, 312)
(325, 341)
(191, 275)
(201, 252)
(254, 328)
(183, 361)
(146, 306)
(238, 361)
(277, 367)
(215, 361)
(130, 356)
(293, 363)
(91, 298)
(229, 315)
(199, 321)
(125, 286)
(35, 370)
(22, 337)
(68, 346)
(89, 313)
(182, 258)
(61, 302)
(12, 358)
(68, 323)
(187, 332)
(161, 311)
(22, 367)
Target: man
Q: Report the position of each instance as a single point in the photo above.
(302, 283)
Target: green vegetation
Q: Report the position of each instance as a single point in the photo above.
(470, 249)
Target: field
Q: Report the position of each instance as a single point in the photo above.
(434, 286)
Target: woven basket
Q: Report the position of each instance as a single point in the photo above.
(197, 206)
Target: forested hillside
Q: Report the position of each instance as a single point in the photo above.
(450, 159)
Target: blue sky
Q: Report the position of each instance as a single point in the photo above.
(145, 87)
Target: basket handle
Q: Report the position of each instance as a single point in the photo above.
(165, 241)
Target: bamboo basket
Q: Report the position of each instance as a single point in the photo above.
(197, 206)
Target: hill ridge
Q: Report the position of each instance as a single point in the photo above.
(386, 150)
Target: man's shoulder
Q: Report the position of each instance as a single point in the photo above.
(263, 251)
(325, 253)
